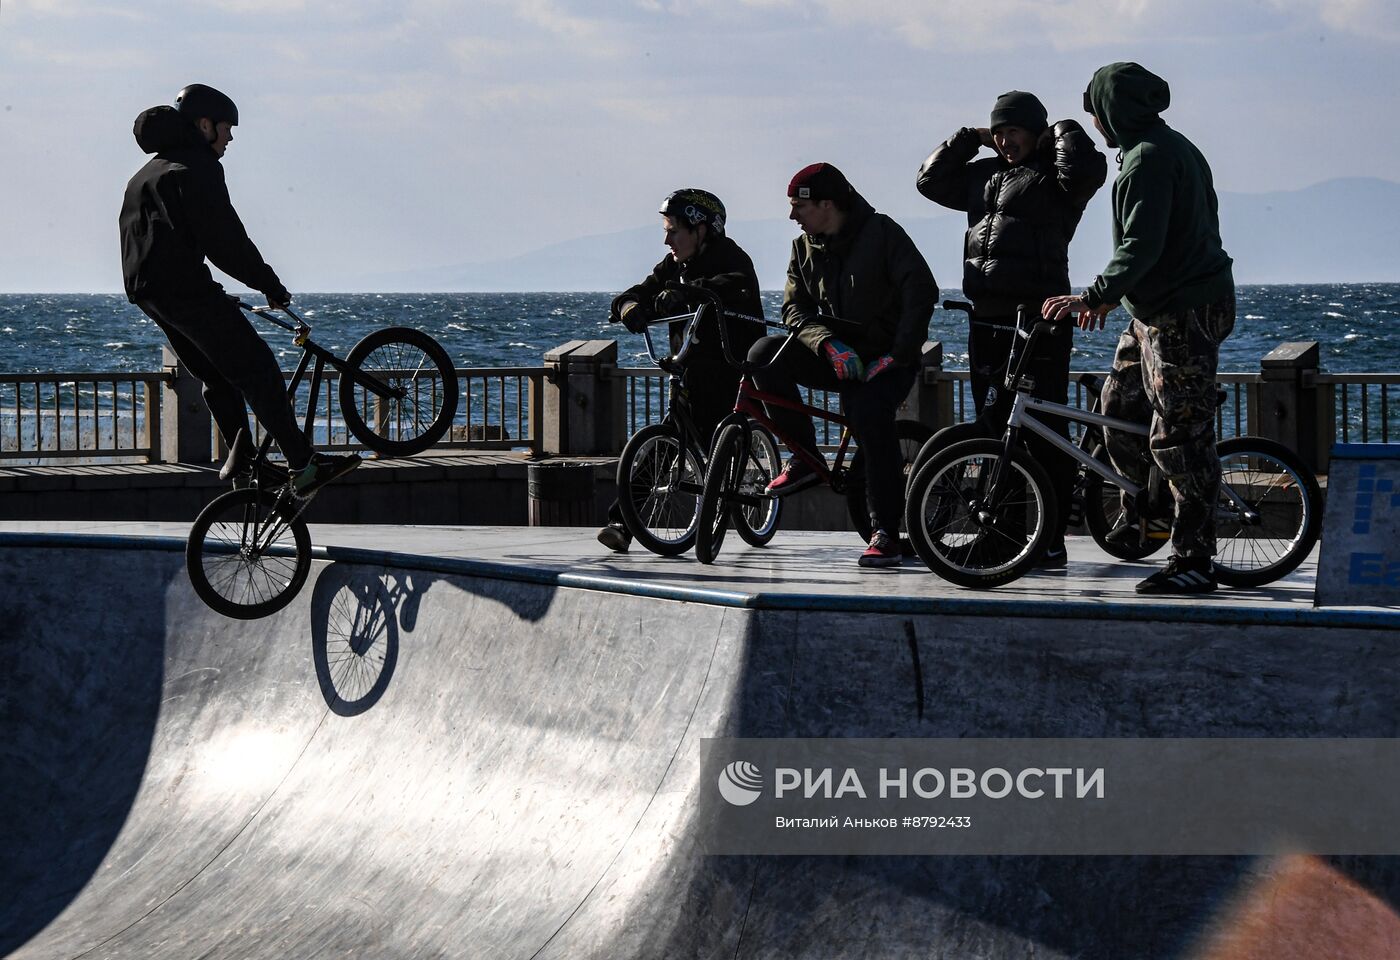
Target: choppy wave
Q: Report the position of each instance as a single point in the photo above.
(77, 333)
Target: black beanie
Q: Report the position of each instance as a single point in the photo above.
(1019, 109)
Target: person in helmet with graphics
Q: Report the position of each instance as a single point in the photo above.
(176, 214)
(704, 256)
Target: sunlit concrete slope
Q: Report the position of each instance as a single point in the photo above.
(408, 764)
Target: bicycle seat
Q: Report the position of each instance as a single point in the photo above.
(1092, 382)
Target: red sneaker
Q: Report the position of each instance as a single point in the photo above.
(883, 551)
(795, 476)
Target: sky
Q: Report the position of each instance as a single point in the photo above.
(386, 135)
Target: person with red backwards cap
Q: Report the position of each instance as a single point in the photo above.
(860, 296)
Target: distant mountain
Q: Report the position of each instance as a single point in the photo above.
(1345, 230)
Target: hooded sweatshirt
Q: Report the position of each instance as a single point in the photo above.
(872, 277)
(1166, 222)
(177, 212)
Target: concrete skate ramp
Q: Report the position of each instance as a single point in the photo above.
(407, 764)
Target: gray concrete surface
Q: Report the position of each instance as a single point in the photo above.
(492, 750)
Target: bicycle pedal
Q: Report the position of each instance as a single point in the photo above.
(290, 505)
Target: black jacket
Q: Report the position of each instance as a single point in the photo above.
(871, 277)
(177, 212)
(721, 266)
(1020, 219)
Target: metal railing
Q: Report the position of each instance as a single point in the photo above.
(497, 409)
(70, 416)
(1361, 406)
(105, 416)
(648, 396)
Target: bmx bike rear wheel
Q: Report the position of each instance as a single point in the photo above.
(659, 481)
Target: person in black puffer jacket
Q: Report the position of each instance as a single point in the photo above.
(176, 212)
(1022, 206)
(701, 255)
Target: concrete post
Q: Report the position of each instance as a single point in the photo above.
(584, 400)
(184, 419)
(1290, 407)
(930, 401)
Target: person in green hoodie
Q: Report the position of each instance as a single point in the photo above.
(1172, 274)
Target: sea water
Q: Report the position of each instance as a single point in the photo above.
(1354, 324)
(82, 333)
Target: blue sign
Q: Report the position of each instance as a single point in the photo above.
(1360, 560)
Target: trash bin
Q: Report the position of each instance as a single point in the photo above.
(560, 494)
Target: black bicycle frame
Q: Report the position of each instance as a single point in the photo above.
(301, 336)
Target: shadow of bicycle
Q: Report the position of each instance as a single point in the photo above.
(357, 613)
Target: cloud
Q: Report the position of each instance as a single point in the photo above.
(75, 9)
(549, 15)
(1060, 24)
(259, 7)
(1065, 25)
(1377, 19)
(51, 56)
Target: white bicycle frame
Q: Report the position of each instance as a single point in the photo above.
(1024, 403)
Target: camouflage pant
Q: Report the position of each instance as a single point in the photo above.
(1164, 370)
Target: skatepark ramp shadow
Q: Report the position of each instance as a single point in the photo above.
(414, 764)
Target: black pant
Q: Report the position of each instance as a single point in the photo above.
(710, 386)
(870, 409)
(217, 344)
(989, 352)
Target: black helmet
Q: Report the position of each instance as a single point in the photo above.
(694, 207)
(197, 101)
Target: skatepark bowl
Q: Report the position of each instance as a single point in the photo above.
(472, 742)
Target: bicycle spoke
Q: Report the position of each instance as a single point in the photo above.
(245, 559)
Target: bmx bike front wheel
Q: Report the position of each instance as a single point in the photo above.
(398, 394)
(245, 560)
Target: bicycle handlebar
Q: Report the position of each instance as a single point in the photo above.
(713, 302)
(270, 313)
(1023, 310)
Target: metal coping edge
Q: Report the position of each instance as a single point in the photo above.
(1209, 613)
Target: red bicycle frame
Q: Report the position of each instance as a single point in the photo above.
(750, 402)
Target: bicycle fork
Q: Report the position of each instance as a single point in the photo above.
(996, 485)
